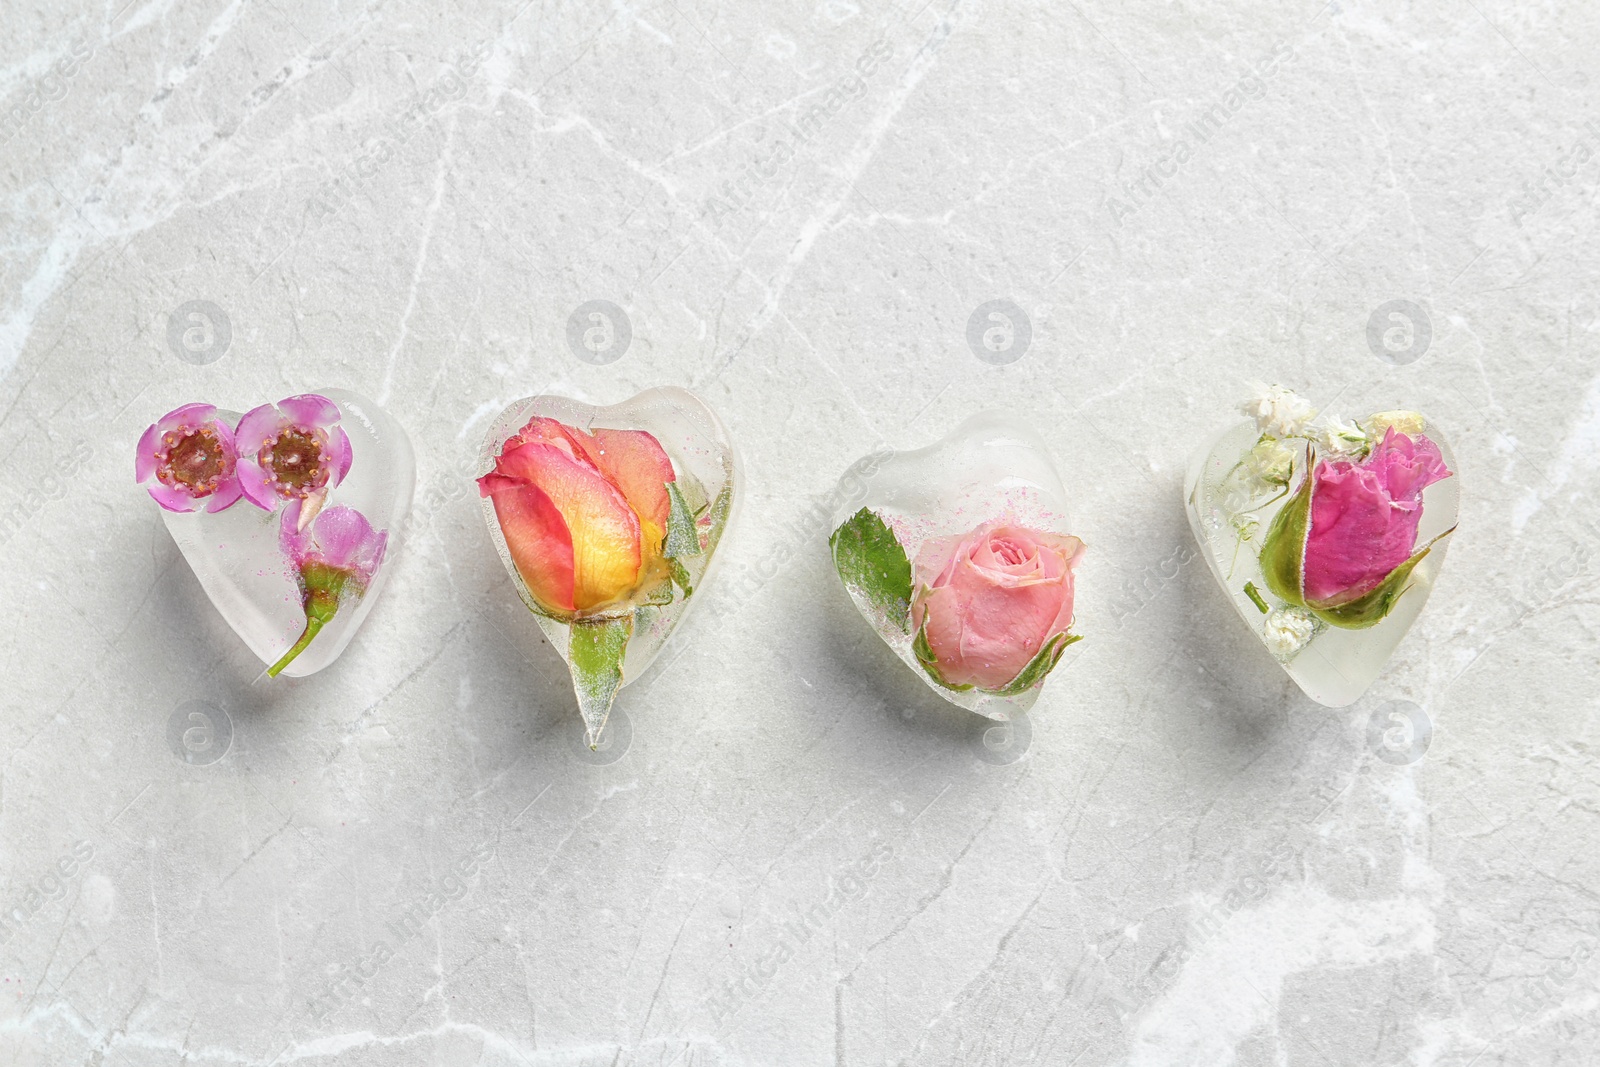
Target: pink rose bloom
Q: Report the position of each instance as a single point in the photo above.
(991, 599)
(1364, 516)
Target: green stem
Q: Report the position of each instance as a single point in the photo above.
(1268, 503)
(322, 604)
(313, 626)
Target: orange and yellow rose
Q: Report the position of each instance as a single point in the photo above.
(584, 514)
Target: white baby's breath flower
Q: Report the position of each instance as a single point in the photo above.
(1333, 434)
(1288, 630)
(1269, 463)
(1409, 423)
(1278, 411)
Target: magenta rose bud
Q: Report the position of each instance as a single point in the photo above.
(1345, 544)
(1364, 516)
(988, 602)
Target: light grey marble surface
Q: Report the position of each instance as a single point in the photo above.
(795, 853)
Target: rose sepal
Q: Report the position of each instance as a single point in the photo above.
(1038, 668)
(930, 663)
(1283, 550)
(1373, 607)
(595, 652)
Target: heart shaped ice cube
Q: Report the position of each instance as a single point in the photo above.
(608, 520)
(1331, 571)
(239, 554)
(961, 557)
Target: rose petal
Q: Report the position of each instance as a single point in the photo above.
(312, 411)
(145, 454)
(635, 462)
(1003, 627)
(543, 430)
(986, 617)
(934, 559)
(538, 538)
(604, 529)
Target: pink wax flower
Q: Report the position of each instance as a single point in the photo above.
(192, 456)
(293, 450)
(334, 558)
(989, 602)
(1364, 516)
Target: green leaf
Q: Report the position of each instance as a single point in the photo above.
(595, 651)
(930, 662)
(661, 595)
(872, 564)
(680, 574)
(683, 538)
(1254, 594)
(1374, 607)
(1043, 662)
(694, 493)
(720, 508)
(1284, 548)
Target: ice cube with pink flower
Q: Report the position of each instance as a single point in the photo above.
(1326, 535)
(287, 514)
(963, 558)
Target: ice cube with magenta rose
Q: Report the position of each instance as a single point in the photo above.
(962, 557)
(1327, 534)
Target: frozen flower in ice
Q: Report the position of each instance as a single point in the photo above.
(191, 456)
(1338, 436)
(335, 558)
(1288, 630)
(1345, 544)
(994, 606)
(293, 450)
(1410, 423)
(1278, 412)
(1270, 463)
(585, 515)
